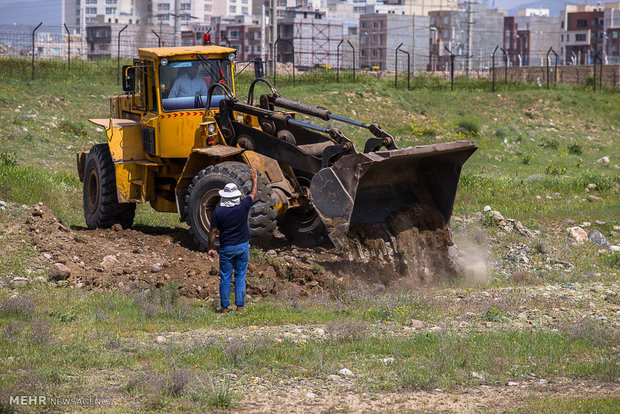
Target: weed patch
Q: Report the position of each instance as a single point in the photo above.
(73, 127)
(20, 306)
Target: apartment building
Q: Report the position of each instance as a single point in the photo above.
(381, 34)
(242, 33)
(589, 33)
(308, 38)
(449, 31)
(528, 37)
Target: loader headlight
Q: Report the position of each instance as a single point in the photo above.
(211, 128)
(231, 56)
(164, 62)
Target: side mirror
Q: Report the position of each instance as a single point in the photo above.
(259, 68)
(129, 78)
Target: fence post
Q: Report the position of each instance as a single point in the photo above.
(353, 48)
(493, 87)
(35, 29)
(338, 61)
(505, 64)
(548, 51)
(555, 68)
(601, 74)
(118, 56)
(451, 68)
(68, 47)
(396, 67)
(158, 38)
(408, 68)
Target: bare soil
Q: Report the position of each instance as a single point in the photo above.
(151, 256)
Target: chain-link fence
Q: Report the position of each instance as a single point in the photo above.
(346, 63)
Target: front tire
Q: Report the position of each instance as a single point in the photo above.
(101, 207)
(302, 225)
(202, 197)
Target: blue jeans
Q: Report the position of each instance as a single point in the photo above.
(233, 258)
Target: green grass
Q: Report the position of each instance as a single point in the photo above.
(57, 333)
(573, 405)
(532, 142)
(523, 156)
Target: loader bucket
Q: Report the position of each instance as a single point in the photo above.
(364, 189)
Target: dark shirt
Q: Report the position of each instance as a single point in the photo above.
(232, 222)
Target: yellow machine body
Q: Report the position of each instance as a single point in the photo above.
(178, 138)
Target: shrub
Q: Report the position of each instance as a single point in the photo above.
(18, 306)
(8, 158)
(575, 149)
(501, 132)
(40, 331)
(212, 396)
(555, 169)
(256, 253)
(492, 314)
(76, 128)
(549, 144)
(469, 126)
(318, 270)
(346, 330)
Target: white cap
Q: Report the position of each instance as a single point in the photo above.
(230, 191)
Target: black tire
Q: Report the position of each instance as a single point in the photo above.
(202, 197)
(101, 207)
(302, 225)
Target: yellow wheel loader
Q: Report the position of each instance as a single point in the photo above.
(178, 134)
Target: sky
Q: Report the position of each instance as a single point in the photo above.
(32, 12)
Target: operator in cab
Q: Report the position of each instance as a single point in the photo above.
(188, 84)
(230, 220)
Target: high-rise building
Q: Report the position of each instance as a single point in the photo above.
(179, 13)
(232, 7)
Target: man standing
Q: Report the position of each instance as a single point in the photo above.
(188, 84)
(230, 219)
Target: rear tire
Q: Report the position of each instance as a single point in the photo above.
(202, 197)
(101, 206)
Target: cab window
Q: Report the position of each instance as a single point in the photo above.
(184, 83)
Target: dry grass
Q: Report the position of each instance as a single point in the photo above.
(347, 330)
(21, 306)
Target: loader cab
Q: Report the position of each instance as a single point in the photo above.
(183, 83)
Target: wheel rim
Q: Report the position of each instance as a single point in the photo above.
(304, 216)
(92, 190)
(208, 202)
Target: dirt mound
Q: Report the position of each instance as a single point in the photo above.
(152, 257)
(133, 258)
(411, 249)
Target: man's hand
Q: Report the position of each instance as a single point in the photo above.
(254, 178)
(212, 235)
(212, 253)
